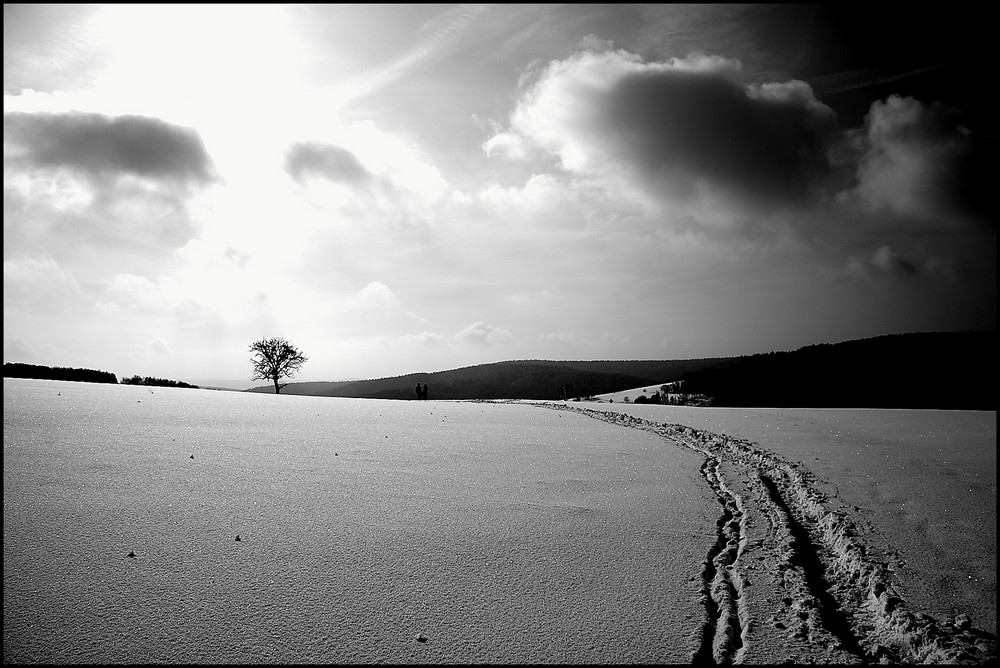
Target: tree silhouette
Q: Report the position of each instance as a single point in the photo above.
(274, 359)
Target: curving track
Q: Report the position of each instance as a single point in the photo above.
(789, 577)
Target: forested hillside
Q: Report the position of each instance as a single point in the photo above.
(21, 370)
(952, 370)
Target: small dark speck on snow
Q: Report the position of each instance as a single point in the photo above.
(421, 638)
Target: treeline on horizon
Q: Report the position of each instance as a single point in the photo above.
(21, 370)
(946, 370)
(933, 370)
(521, 379)
(37, 371)
(149, 381)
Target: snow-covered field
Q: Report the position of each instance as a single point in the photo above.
(391, 531)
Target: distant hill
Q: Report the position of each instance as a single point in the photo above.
(521, 379)
(943, 370)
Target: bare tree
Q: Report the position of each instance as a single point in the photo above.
(274, 359)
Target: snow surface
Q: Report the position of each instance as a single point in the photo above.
(925, 480)
(500, 533)
(393, 531)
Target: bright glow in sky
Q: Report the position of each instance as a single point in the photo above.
(403, 188)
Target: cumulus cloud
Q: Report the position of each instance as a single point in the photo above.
(334, 163)
(540, 193)
(377, 292)
(99, 147)
(481, 333)
(686, 153)
(919, 160)
(93, 181)
(682, 128)
(704, 62)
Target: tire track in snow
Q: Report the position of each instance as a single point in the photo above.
(846, 606)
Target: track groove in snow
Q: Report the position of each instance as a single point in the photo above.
(722, 636)
(824, 596)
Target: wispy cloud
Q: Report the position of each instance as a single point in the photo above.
(436, 39)
(840, 82)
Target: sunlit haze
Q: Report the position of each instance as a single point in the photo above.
(405, 188)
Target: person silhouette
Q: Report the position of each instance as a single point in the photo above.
(425, 390)
(420, 392)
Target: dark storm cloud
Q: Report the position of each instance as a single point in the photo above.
(769, 145)
(687, 131)
(681, 129)
(327, 161)
(102, 147)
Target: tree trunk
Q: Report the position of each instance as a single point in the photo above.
(277, 388)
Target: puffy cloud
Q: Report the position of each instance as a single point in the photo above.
(540, 193)
(378, 293)
(703, 62)
(481, 333)
(99, 147)
(920, 161)
(93, 181)
(683, 128)
(334, 163)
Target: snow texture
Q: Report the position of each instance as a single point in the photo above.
(147, 525)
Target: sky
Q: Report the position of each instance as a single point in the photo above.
(414, 188)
